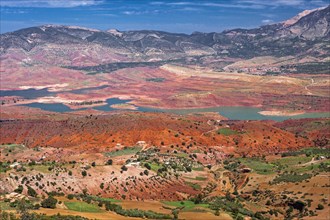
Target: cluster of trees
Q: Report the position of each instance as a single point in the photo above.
(34, 216)
(118, 209)
(49, 203)
(135, 212)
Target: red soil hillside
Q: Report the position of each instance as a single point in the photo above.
(99, 133)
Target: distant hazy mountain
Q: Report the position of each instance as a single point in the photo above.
(305, 34)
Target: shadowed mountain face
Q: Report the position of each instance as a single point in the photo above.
(305, 35)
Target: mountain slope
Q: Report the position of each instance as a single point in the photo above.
(305, 35)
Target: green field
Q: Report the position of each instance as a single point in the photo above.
(104, 199)
(41, 168)
(83, 207)
(155, 166)
(183, 155)
(226, 131)
(200, 178)
(125, 151)
(198, 168)
(188, 205)
(292, 161)
(193, 185)
(259, 166)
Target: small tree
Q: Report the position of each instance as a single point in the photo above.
(320, 207)
(217, 212)
(84, 173)
(146, 172)
(19, 189)
(147, 166)
(109, 162)
(124, 168)
(175, 214)
(22, 207)
(31, 192)
(49, 203)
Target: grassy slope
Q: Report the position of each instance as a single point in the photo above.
(82, 207)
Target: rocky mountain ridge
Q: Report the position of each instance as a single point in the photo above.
(305, 35)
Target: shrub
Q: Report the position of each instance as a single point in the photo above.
(84, 173)
(124, 168)
(36, 206)
(175, 214)
(299, 205)
(31, 192)
(320, 207)
(294, 178)
(49, 203)
(19, 189)
(147, 166)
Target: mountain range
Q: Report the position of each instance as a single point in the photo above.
(305, 35)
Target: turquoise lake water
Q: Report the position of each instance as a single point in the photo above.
(233, 113)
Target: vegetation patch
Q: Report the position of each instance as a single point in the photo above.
(313, 151)
(35, 216)
(82, 207)
(317, 151)
(158, 79)
(198, 168)
(155, 167)
(291, 161)
(12, 148)
(187, 205)
(227, 131)
(313, 68)
(232, 206)
(110, 67)
(258, 165)
(125, 151)
(4, 167)
(193, 185)
(198, 178)
(291, 177)
(5, 206)
(41, 168)
(96, 198)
